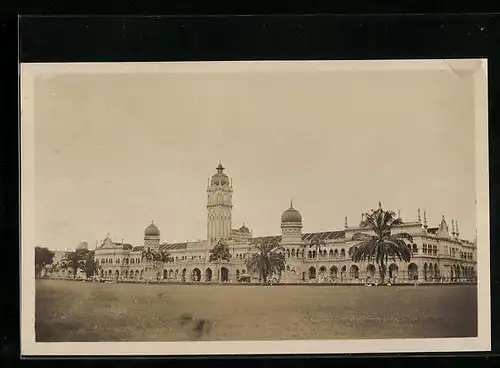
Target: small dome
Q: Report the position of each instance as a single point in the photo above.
(244, 229)
(152, 230)
(291, 215)
(220, 178)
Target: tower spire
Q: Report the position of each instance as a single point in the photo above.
(425, 218)
(220, 168)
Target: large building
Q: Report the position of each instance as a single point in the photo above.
(439, 255)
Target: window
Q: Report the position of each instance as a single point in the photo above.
(424, 248)
(434, 250)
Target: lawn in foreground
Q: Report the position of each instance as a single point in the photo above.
(81, 311)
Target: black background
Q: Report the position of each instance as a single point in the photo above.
(430, 31)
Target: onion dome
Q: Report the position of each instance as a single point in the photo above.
(220, 178)
(291, 215)
(152, 230)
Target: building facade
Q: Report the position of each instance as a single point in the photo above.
(439, 254)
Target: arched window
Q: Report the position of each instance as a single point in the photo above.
(330, 254)
(342, 253)
(415, 248)
(293, 252)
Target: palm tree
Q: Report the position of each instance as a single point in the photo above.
(155, 257)
(164, 257)
(317, 245)
(149, 255)
(383, 245)
(220, 252)
(267, 261)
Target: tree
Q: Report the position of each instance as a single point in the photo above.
(90, 267)
(149, 255)
(317, 245)
(74, 260)
(161, 258)
(156, 258)
(383, 245)
(43, 258)
(267, 261)
(220, 252)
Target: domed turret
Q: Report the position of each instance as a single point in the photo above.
(152, 230)
(220, 178)
(291, 215)
(291, 227)
(244, 229)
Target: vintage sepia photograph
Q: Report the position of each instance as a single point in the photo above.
(255, 207)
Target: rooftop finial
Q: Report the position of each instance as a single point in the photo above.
(425, 218)
(456, 227)
(345, 221)
(291, 203)
(419, 218)
(379, 205)
(399, 213)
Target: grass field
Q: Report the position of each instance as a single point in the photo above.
(76, 311)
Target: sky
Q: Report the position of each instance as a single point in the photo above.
(114, 152)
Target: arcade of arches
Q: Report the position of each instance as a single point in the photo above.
(346, 273)
(429, 272)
